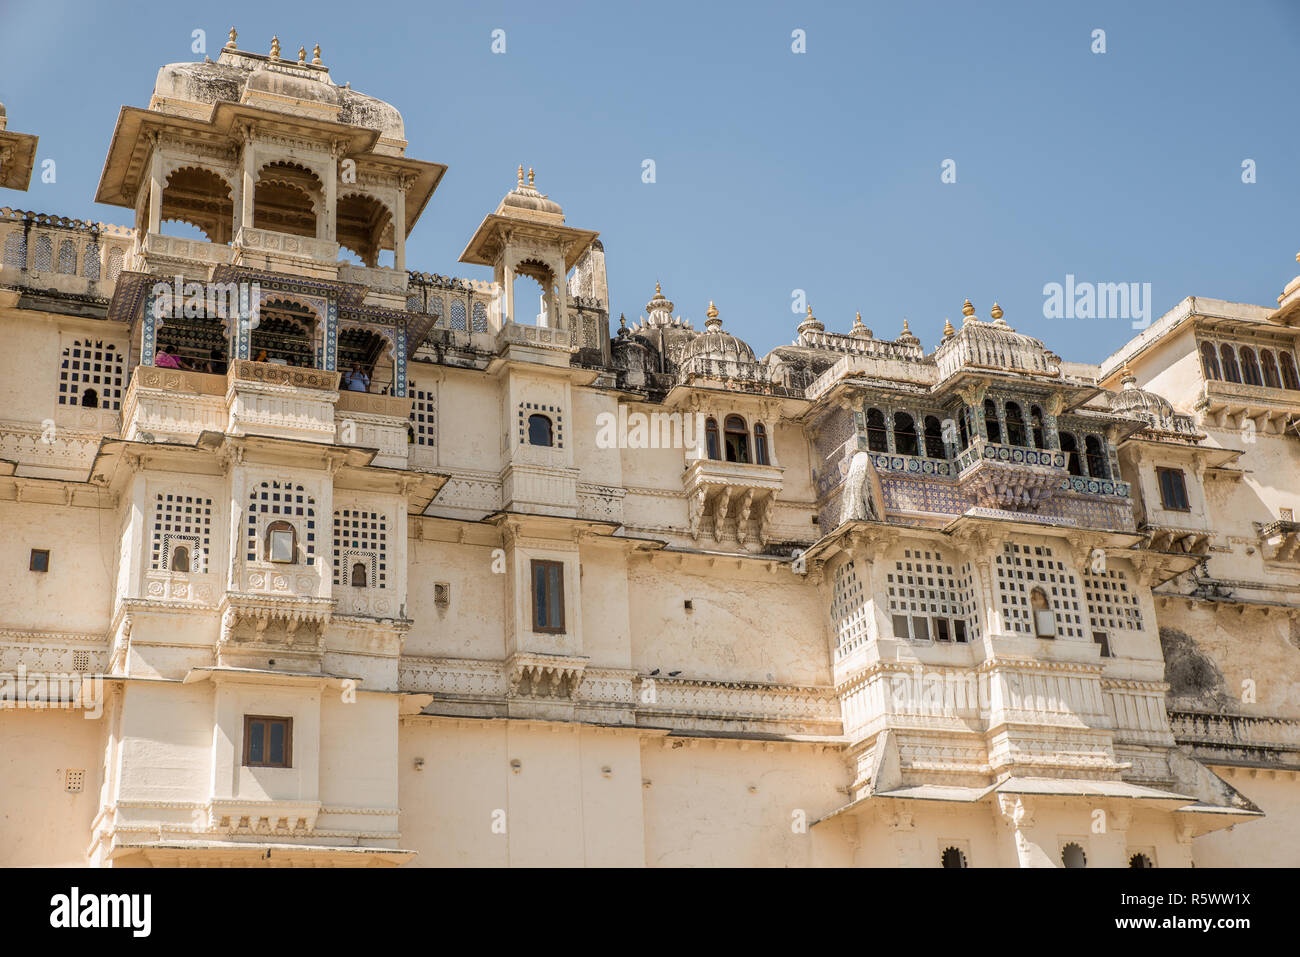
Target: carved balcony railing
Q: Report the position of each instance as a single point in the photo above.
(1251, 740)
(67, 255)
(1280, 541)
(913, 464)
(167, 255)
(268, 249)
(284, 401)
(1009, 477)
(380, 279)
(1233, 404)
(171, 405)
(376, 422)
(719, 490)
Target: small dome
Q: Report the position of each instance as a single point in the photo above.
(719, 345)
(526, 196)
(1130, 400)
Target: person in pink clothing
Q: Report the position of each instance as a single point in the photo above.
(164, 359)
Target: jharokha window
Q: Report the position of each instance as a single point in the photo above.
(539, 431)
(711, 438)
(760, 444)
(548, 596)
(268, 742)
(281, 543)
(736, 439)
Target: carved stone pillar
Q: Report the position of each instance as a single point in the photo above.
(155, 186)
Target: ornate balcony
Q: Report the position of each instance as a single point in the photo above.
(1009, 477)
(717, 490)
(168, 255)
(168, 405)
(1280, 541)
(1231, 404)
(375, 422)
(289, 402)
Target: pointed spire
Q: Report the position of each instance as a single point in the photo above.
(906, 334)
(519, 182)
(713, 323)
(860, 328)
(315, 55)
(948, 330)
(302, 55)
(810, 323)
(275, 48)
(530, 177)
(996, 312)
(967, 312)
(230, 44)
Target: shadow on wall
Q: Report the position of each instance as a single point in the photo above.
(1194, 679)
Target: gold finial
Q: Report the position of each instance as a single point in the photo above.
(1297, 257)
(520, 181)
(810, 315)
(906, 331)
(622, 321)
(857, 318)
(996, 311)
(967, 309)
(658, 291)
(275, 48)
(302, 55)
(713, 310)
(315, 55)
(948, 330)
(230, 44)
(530, 177)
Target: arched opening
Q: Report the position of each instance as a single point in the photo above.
(358, 574)
(285, 334)
(1289, 378)
(1268, 367)
(991, 424)
(760, 444)
(1070, 446)
(905, 442)
(1230, 372)
(1015, 425)
(1096, 458)
(711, 440)
(1036, 424)
(963, 430)
(1209, 361)
(1250, 367)
(367, 352)
(953, 857)
(736, 439)
(1072, 856)
(530, 308)
(539, 430)
(365, 227)
(89, 399)
(877, 434)
(201, 200)
(180, 561)
(67, 263)
(1140, 860)
(286, 198)
(934, 447)
(1044, 617)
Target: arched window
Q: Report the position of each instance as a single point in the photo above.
(1070, 446)
(877, 434)
(1140, 860)
(90, 261)
(1044, 617)
(281, 543)
(1249, 367)
(1210, 361)
(89, 399)
(711, 441)
(1096, 458)
(905, 434)
(1072, 856)
(1289, 378)
(1036, 423)
(760, 444)
(539, 430)
(1015, 425)
(991, 421)
(43, 254)
(358, 574)
(1268, 366)
(457, 315)
(934, 447)
(16, 250)
(1229, 357)
(67, 258)
(963, 430)
(115, 257)
(480, 317)
(736, 439)
(180, 559)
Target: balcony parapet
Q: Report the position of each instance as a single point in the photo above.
(71, 256)
(1230, 404)
(377, 422)
(380, 279)
(1251, 740)
(284, 401)
(168, 405)
(163, 254)
(268, 249)
(1280, 541)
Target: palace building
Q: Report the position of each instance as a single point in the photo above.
(312, 559)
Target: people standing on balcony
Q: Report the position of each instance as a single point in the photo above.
(356, 380)
(163, 359)
(261, 356)
(218, 363)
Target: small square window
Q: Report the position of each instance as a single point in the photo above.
(268, 742)
(40, 560)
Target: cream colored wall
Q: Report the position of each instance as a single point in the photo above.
(731, 634)
(560, 809)
(473, 624)
(42, 825)
(1273, 841)
(81, 542)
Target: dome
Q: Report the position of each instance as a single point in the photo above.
(238, 77)
(1130, 400)
(993, 345)
(715, 344)
(525, 198)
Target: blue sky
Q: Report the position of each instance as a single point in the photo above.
(778, 171)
